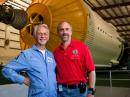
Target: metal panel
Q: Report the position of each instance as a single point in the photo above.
(2, 42)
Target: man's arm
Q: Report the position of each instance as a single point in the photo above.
(12, 70)
(92, 81)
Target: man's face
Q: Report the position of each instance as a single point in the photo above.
(65, 31)
(42, 36)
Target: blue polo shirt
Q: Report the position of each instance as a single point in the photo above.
(40, 70)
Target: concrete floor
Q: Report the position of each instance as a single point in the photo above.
(15, 90)
(112, 92)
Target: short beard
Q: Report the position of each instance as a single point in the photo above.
(65, 38)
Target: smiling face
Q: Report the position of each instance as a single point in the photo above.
(42, 35)
(65, 31)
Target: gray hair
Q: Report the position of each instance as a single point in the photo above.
(36, 27)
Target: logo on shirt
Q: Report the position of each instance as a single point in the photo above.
(49, 60)
(75, 52)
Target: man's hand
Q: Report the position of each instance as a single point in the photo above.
(26, 81)
(90, 95)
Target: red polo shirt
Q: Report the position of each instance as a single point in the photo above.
(73, 63)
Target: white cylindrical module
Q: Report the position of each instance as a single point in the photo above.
(103, 41)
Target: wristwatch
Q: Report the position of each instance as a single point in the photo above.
(91, 91)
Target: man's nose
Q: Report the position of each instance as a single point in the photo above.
(64, 31)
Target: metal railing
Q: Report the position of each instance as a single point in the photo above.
(113, 78)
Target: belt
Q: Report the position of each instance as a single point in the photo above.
(73, 86)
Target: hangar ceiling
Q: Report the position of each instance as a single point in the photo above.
(19, 4)
(116, 12)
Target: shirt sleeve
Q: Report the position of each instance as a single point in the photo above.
(12, 70)
(89, 64)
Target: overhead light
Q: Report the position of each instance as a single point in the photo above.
(15, 6)
(18, 3)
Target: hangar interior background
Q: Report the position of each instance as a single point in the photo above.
(116, 12)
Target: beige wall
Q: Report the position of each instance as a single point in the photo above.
(9, 43)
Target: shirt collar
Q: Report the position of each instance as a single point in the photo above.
(70, 45)
(34, 47)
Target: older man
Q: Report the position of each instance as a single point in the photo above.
(38, 63)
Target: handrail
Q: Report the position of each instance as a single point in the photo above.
(112, 76)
